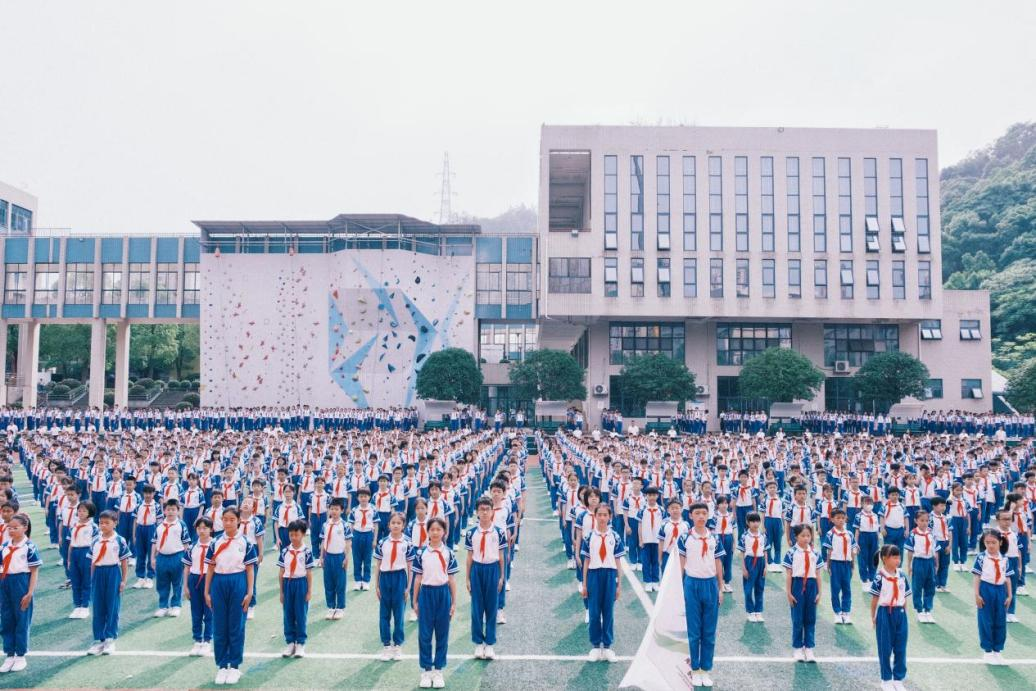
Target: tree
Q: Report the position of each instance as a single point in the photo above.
(188, 347)
(450, 375)
(66, 347)
(548, 375)
(655, 378)
(1008, 355)
(152, 348)
(1021, 387)
(780, 374)
(888, 378)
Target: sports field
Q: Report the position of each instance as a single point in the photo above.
(542, 646)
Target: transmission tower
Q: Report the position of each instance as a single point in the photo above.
(446, 191)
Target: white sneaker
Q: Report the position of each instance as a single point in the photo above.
(846, 620)
(595, 655)
(810, 657)
(488, 653)
(695, 679)
(288, 651)
(386, 654)
(150, 583)
(507, 586)
(899, 686)
(437, 681)
(799, 654)
(249, 616)
(300, 650)
(998, 659)
(759, 617)
(751, 617)
(173, 612)
(206, 648)
(888, 686)
(139, 584)
(195, 650)
(109, 647)
(411, 616)
(160, 612)
(233, 675)
(554, 513)
(480, 651)
(501, 618)
(19, 664)
(330, 615)
(571, 563)
(989, 658)
(339, 613)
(1022, 590)
(356, 586)
(640, 567)
(365, 585)
(609, 655)
(96, 648)
(1012, 619)
(426, 680)
(586, 616)
(727, 588)
(221, 676)
(706, 680)
(8, 663)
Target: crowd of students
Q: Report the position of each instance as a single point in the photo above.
(749, 422)
(897, 513)
(1013, 426)
(192, 512)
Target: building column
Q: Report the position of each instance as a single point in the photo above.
(28, 361)
(122, 348)
(3, 362)
(98, 346)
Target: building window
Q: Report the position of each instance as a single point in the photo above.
(715, 203)
(519, 284)
(512, 341)
(664, 278)
(690, 209)
(637, 277)
(971, 388)
(738, 343)
(896, 187)
(741, 203)
(820, 279)
(3, 214)
(488, 288)
(856, 343)
(716, 278)
(111, 283)
(899, 280)
(165, 284)
(931, 330)
(191, 284)
(873, 280)
(898, 235)
(21, 219)
(845, 273)
(630, 339)
(769, 278)
(741, 278)
(45, 290)
(924, 280)
(79, 284)
(636, 203)
(766, 202)
(924, 229)
(873, 231)
(690, 278)
(139, 283)
(933, 389)
(795, 278)
(568, 275)
(819, 206)
(662, 201)
(611, 277)
(794, 219)
(611, 202)
(870, 187)
(970, 330)
(15, 283)
(845, 205)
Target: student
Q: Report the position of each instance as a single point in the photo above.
(942, 530)
(194, 588)
(922, 562)
(1013, 555)
(109, 557)
(672, 529)
(803, 589)
(960, 523)
(841, 549)
(992, 586)
(417, 534)
(171, 540)
(773, 520)
(318, 511)
(601, 553)
(229, 580)
(296, 584)
(868, 524)
(364, 529)
(392, 556)
(753, 546)
(287, 513)
(650, 522)
(486, 545)
(894, 520)
(145, 522)
(335, 541)
(18, 578)
(253, 529)
(81, 538)
(701, 561)
(889, 591)
(722, 523)
(436, 592)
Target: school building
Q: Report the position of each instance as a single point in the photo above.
(705, 244)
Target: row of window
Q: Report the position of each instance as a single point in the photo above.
(969, 389)
(510, 341)
(742, 232)
(970, 330)
(80, 283)
(489, 285)
(14, 217)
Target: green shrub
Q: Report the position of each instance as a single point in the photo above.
(137, 390)
(60, 390)
(109, 399)
(183, 405)
(173, 385)
(71, 383)
(192, 398)
(195, 385)
(146, 383)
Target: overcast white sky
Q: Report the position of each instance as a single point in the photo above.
(128, 116)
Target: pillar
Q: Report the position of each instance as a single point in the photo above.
(98, 345)
(29, 364)
(3, 362)
(122, 344)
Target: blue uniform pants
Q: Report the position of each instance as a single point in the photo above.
(316, 527)
(649, 559)
(754, 583)
(992, 618)
(143, 535)
(865, 559)
(201, 614)
(701, 607)
(433, 602)
(363, 550)
(895, 536)
(841, 586)
(228, 591)
(485, 581)
(804, 612)
(15, 623)
(774, 537)
(959, 538)
(296, 609)
(633, 542)
(334, 580)
(1016, 566)
(600, 590)
(728, 559)
(393, 601)
(942, 573)
(891, 629)
(169, 579)
(79, 572)
(107, 602)
(922, 583)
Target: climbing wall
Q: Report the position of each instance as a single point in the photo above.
(345, 329)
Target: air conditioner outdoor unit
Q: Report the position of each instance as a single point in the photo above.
(575, 232)
(701, 391)
(600, 390)
(842, 367)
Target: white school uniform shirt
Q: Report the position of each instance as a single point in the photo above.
(362, 519)
(892, 589)
(435, 565)
(20, 557)
(334, 535)
(318, 503)
(288, 513)
(701, 553)
(614, 549)
(83, 534)
(115, 549)
(1012, 544)
(753, 544)
(148, 513)
(796, 559)
(868, 522)
(941, 527)
(485, 544)
(231, 554)
(670, 532)
(842, 543)
(195, 558)
(650, 518)
(922, 544)
(895, 516)
(383, 553)
(193, 498)
(724, 523)
(995, 570)
(773, 507)
(171, 538)
(296, 561)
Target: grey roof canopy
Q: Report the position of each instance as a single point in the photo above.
(349, 224)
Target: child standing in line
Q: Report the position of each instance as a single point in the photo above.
(894, 520)
(868, 523)
(1013, 555)
(81, 538)
(773, 521)
(171, 540)
(229, 580)
(318, 507)
(108, 558)
(650, 521)
(753, 546)
(672, 529)
(922, 563)
(942, 530)
(701, 561)
(393, 556)
(722, 523)
(840, 547)
(296, 583)
(960, 523)
(335, 541)
(287, 513)
(253, 529)
(803, 589)
(364, 527)
(889, 591)
(436, 591)
(18, 577)
(417, 534)
(602, 551)
(992, 585)
(194, 588)
(145, 520)
(486, 544)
